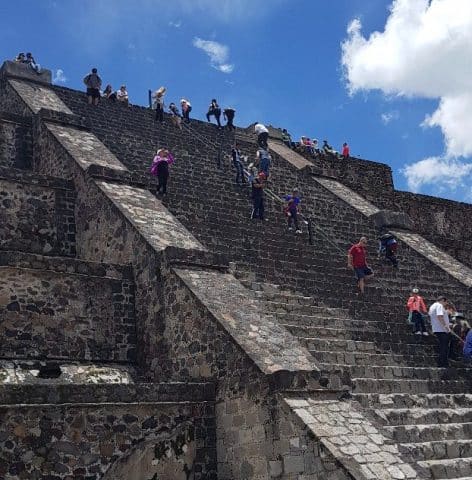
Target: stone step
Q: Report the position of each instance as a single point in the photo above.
(341, 321)
(386, 359)
(437, 450)
(335, 345)
(358, 334)
(393, 372)
(423, 416)
(375, 385)
(401, 400)
(430, 432)
(448, 468)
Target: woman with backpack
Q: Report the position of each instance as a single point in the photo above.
(160, 168)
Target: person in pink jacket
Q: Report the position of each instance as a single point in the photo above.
(160, 168)
(417, 308)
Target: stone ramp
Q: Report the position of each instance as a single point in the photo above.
(440, 258)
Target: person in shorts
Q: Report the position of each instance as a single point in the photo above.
(357, 261)
(93, 83)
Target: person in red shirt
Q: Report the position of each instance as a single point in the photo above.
(357, 261)
(345, 150)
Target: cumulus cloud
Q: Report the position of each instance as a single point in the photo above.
(59, 76)
(388, 117)
(176, 24)
(439, 172)
(423, 51)
(217, 52)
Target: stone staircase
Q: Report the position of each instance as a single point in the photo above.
(360, 344)
(390, 372)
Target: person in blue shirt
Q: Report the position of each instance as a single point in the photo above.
(468, 347)
(264, 161)
(292, 209)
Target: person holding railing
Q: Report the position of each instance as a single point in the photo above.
(417, 309)
(238, 165)
(292, 209)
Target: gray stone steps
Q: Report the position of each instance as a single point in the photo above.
(437, 450)
(430, 432)
(448, 468)
(359, 333)
(401, 400)
(410, 386)
(339, 321)
(388, 372)
(342, 345)
(379, 359)
(406, 416)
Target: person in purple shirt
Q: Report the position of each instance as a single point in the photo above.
(160, 168)
(292, 209)
(468, 347)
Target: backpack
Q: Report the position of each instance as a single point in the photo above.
(388, 241)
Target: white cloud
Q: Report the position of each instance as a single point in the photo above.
(388, 117)
(59, 76)
(217, 52)
(424, 51)
(438, 172)
(176, 24)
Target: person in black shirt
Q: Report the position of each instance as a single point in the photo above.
(236, 156)
(257, 187)
(215, 110)
(228, 115)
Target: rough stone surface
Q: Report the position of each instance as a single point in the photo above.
(390, 219)
(10, 68)
(38, 96)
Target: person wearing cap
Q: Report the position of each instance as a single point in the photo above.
(122, 95)
(159, 102)
(441, 329)
(257, 191)
(417, 308)
(160, 168)
(186, 109)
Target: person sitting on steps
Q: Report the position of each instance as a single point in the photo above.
(29, 60)
(417, 309)
(215, 110)
(109, 93)
(357, 261)
(122, 95)
(160, 168)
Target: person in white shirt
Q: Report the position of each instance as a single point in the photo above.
(122, 95)
(262, 135)
(440, 325)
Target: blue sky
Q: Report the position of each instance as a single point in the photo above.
(279, 62)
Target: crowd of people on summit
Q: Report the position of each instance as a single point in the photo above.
(449, 326)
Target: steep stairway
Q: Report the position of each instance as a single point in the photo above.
(421, 408)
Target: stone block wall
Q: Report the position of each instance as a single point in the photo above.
(109, 441)
(36, 214)
(51, 309)
(15, 141)
(441, 221)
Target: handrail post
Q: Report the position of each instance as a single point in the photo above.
(310, 232)
(150, 98)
